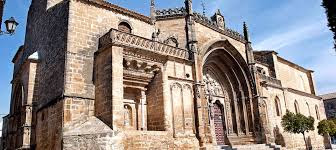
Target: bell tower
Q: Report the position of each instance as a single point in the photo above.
(219, 19)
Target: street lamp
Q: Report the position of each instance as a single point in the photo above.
(11, 25)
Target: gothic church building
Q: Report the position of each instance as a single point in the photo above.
(93, 75)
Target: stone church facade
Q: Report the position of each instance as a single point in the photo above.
(94, 75)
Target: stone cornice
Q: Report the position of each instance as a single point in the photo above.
(303, 93)
(117, 38)
(112, 7)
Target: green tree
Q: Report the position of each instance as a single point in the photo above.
(327, 128)
(330, 6)
(298, 124)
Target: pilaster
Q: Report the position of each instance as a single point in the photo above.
(117, 87)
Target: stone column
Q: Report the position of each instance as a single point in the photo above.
(228, 117)
(245, 113)
(252, 113)
(235, 100)
(143, 108)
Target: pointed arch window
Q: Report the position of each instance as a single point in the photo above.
(317, 112)
(296, 106)
(308, 108)
(277, 106)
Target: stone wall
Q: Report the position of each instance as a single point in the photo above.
(155, 105)
(294, 77)
(47, 34)
(307, 105)
(87, 23)
(173, 28)
(144, 140)
(49, 126)
(77, 109)
(103, 85)
(109, 95)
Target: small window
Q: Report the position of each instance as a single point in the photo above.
(317, 112)
(277, 106)
(296, 105)
(124, 27)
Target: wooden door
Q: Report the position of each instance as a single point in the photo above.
(219, 124)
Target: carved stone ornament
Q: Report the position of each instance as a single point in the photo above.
(198, 87)
(115, 37)
(212, 87)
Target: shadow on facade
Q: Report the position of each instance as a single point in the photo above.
(279, 139)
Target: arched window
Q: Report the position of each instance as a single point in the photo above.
(124, 27)
(308, 108)
(277, 106)
(296, 105)
(317, 112)
(18, 98)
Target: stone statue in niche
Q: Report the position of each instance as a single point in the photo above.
(127, 116)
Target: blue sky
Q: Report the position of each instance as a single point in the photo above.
(296, 29)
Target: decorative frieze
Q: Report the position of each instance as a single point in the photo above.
(171, 13)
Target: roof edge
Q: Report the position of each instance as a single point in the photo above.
(296, 65)
(113, 7)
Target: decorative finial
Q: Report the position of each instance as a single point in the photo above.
(188, 5)
(203, 6)
(152, 11)
(246, 34)
(218, 12)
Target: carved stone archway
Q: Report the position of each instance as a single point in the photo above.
(227, 78)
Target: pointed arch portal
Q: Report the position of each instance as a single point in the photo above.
(228, 82)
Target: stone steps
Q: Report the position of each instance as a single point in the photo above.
(239, 140)
(251, 147)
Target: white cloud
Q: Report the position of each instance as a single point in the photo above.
(292, 35)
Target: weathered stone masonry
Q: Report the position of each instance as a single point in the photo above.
(95, 75)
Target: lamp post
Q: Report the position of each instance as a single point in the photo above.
(11, 24)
